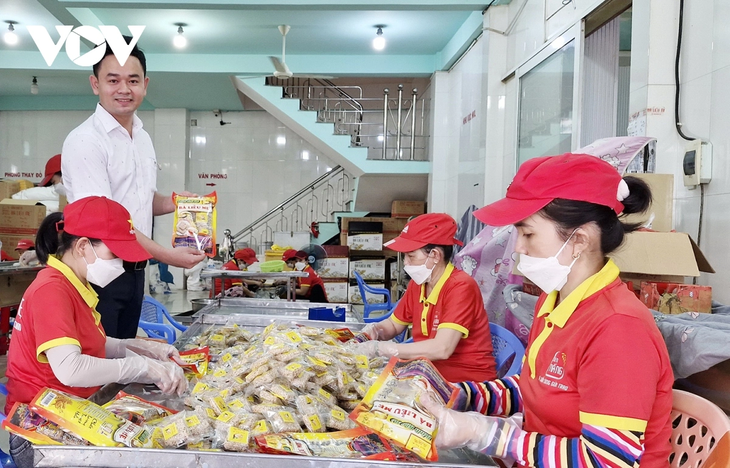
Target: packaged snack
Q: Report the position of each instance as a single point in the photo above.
(391, 407)
(88, 420)
(196, 361)
(354, 443)
(25, 423)
(195, 222)
(137, 410)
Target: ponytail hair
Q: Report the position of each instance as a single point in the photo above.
(51, 239)
(571, 214)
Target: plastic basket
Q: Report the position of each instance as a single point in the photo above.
(327, 314)
(272, 266)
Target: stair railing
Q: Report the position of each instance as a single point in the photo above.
(316, 202)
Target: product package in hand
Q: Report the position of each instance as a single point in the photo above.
(391, 407)
(88, 420)
(137, 410)
(195, 222)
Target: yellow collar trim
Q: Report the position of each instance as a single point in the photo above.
(86, 291)
(434, 296)
(560, 315)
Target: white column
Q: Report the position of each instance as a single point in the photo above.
(444, 148)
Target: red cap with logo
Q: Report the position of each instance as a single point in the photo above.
(539, 181)
(106, 220)
(247, 255)
(25, 244)
(289, 255)
(431, 228)
(52, 166)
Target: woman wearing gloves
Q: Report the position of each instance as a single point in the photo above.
(596, 382)
(58, 340)
(445, 306)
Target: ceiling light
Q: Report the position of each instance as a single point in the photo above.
(379, 41)
(10, 37)
(34, 86)
(281, 140)
(179, 40)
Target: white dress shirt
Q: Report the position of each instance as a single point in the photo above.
(99, 158)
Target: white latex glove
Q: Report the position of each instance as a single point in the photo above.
(375, 348)
(370, 332)
(473, 430)
(152, 349)
(168, 376)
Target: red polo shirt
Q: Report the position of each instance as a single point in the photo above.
(455, 302)
(598, 358)
(56, 309)
(311, 280)
(229, 283)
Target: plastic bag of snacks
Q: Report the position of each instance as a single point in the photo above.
(196, 361)
(88, 420)
(137, 410)
(353, 443)
(391, 407)
(32, 427)
(195, 221)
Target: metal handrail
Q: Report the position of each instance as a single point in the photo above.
(280, 207)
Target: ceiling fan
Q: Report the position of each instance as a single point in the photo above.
(281, 70)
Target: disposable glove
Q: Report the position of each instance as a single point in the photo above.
(168, 376)
(152, 349)
(374, 348)
(370, 332)
(473, 430)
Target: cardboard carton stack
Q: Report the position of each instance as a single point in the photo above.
(334, 272)
(18, 218)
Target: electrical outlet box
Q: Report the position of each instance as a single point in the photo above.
(697, 163)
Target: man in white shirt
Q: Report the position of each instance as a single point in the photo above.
(111, 155)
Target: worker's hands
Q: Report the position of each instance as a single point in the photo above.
(184, 257)
(234, 291)
(370, 332)
(374, 348)
(168, 376)
(472, 430)
(152, 349)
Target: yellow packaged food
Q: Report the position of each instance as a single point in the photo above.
(88, 420)
(195, 222)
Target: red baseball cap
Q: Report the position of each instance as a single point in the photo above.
(247, 255)
(106, 220)
(289, 254)
(431, 228)
(52, 166)
(25, 244)
(539, 181)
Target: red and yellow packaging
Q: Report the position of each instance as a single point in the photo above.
(195, 222)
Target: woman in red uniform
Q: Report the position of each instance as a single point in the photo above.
(596, 383)
(444, 305)
(242, 259)
(311, 287)
(58, 340)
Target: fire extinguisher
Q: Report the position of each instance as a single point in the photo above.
(314, 227)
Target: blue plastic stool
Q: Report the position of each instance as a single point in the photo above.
(369, 308)
(152, 321)
(505, 345)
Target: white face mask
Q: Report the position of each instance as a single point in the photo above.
(300, 266)
(102, 272)
(419, 273)
(547, 273)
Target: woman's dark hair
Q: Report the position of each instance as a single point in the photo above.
(446, 250)
(49, 241)
(571, 214)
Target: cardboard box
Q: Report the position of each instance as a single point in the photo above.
(355, 298)
(337, 291)
(12, 287)
(8, 188)
(673, 298)
(10, 241)
(21, 217)
(62, 202)
(365, 242)
(660, 256)
(334, 267)
(407, 208)
(370, 269)
(389, 224)
(662, 206)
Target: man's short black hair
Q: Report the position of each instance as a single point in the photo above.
(136, 52)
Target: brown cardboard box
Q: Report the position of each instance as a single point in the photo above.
(392, 227)
(660, 256)
(662, 206)
(8, 188)
(407, 208)
(21, 217)
(62, 202)
(337, 291)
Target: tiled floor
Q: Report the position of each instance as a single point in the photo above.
(178, 301)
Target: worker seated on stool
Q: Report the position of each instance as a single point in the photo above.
(311, 287)
(237, 287)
